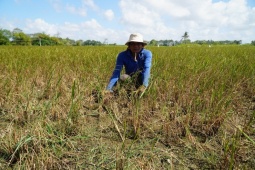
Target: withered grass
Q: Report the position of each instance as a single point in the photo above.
(198, 112)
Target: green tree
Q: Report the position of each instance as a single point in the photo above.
(92, 42)
(17, 30)
(20, 38)
(42, 39)
(56, 41)
(79, 42)
(253, 42)
(68, 41)
(153, 42)
(5, 36)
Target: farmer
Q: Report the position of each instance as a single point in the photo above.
(137, 62)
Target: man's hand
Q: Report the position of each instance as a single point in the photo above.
(140, 91)
(107, 95)
(107, 91)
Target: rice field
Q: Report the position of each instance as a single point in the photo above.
(198, 111)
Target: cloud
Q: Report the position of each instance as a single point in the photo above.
(79, 11)
(109, 15)
(39, 25)
(138, 17)
(90, 4)
(82, 10)
(56, 5)
(136, 14)
(202, 19)
(174, 8)
(90, 29)
(222, 20)
(161, 19)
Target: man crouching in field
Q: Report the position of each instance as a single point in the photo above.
(137, 63)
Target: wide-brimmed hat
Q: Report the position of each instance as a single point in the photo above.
(136, 37)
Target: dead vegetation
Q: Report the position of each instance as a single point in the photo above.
(196, 114)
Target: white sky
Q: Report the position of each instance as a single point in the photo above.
(114, 20)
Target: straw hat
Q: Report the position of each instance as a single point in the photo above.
(136, 37)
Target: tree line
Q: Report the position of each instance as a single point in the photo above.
(18, 37)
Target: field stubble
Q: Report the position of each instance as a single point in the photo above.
(198, 112)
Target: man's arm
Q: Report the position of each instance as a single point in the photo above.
(147, 68)
(116, 73)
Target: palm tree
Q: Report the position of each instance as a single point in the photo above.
(185, 37)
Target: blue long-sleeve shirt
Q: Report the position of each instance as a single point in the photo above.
(126, 59)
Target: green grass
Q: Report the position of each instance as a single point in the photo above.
(198, 112)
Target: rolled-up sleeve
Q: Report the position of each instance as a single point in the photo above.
(147, 68)
(116, 72)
